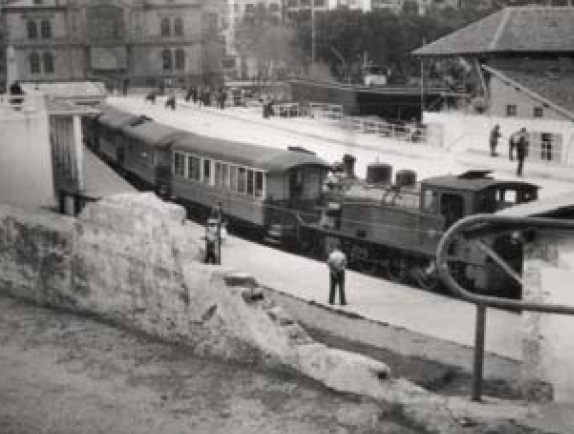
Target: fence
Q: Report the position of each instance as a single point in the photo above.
(413, 133)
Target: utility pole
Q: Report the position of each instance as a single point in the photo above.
(313, 36)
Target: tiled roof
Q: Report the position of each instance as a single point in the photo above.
(519, 29)
(554, 84)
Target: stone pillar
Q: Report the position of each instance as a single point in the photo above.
(548, 346)
(78, 151)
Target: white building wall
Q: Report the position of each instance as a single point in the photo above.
(461, 132)
(26, 178)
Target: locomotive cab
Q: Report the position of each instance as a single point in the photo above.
(473, 192)
(455, 197)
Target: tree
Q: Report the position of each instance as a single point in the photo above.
(272, 44)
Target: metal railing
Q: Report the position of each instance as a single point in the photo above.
(413, 133)
(471, 228)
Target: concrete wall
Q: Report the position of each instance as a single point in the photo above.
(549, 346)
(131, 259)
(25, 155)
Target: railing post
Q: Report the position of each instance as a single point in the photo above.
(478, 366)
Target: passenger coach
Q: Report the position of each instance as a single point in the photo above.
(259, 186)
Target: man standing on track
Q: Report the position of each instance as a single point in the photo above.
(337, 262)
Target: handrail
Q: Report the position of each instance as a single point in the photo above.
(476, 226)
(501, 224)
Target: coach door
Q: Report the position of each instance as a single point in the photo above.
(162, 168)
(295, 187)
(451, 208)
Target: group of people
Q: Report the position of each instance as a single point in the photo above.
(517, 145)
(205, 95)
(202, 95)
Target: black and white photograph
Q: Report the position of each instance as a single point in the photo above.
(286, 216)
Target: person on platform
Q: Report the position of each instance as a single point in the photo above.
(494, 136)
(337, 262)
(512, 141)
(521, 150)
(125, 86)
(217, 212)
(212, 241)
(170, 102)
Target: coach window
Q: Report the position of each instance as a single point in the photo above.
(194, 165)
(218, 175)
(233, 178)
(250, 182)
(225, 176)
(179, 164)
(258, 184)
(207, 171)
(241, 180)
(429, 201)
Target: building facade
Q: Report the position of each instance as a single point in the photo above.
(523, 68)
(144, 41)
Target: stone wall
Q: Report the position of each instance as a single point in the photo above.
(548, 346)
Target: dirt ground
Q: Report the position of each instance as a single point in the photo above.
(63, 374)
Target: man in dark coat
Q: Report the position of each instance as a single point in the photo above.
(521, 150)
(170, 102)
(494, 136)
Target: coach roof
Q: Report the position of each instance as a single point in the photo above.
(272, 160)
(151, 133)
(462, 182)
(115, 118)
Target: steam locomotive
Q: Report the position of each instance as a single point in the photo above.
(294, 198)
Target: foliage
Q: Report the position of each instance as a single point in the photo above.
(261, 36)
(346, 39)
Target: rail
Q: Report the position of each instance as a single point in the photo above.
(471, 228)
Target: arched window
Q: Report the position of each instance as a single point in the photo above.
(46, 29)
(178, 27)
(166, 59)
(48, 63)
(34, 60)
(32, 29)
(165, 27)
(180, 59)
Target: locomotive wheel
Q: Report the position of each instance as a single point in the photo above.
(397, 270)
(427, 281)
(367, 267)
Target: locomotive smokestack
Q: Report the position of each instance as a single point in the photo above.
(349, 166)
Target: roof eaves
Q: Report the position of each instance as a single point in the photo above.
(530, 92)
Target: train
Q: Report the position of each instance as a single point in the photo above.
(295, 199)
